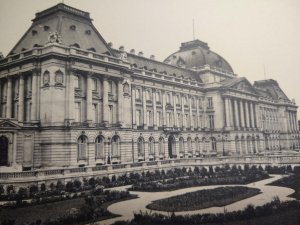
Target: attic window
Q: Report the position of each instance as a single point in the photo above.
(23, 49)
(75, 45)
(46, 28)
(34, 32)
(193, 53)
(174, 56)
(88, 32)
(37, 45)
(72, 27)
(91, 49)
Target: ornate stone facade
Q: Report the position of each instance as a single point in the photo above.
(79, 102)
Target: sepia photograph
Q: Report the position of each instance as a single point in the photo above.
(161, 112)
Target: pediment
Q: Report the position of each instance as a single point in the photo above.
(244, 86)
(8, 124)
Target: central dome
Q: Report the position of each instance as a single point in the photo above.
(195, 54)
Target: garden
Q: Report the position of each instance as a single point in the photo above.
(202, 199)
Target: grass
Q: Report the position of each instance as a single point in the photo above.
(202, 199)
(292, 181)
(41, 212)
(53, 210)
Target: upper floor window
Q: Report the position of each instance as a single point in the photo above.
(158, 97)
(148, 95)
(59, 78)
(82, 147)
(177, 100)
(169, 98)
(110, 87)
(138, 94)
(76, 81)
(211, 121)
(46, 78)
(210, 102)
(94, 84)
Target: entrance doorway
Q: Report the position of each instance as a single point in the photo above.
(3, 151)
(171, 146)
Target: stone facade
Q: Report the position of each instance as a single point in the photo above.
(68, 99)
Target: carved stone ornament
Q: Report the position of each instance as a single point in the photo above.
(54, 37)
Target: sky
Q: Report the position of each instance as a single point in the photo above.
(259, 38)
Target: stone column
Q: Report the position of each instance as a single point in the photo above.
(71, 96)
(257, 113)
(252, 115)
(89, 99)
(163, 108)
(154, 109)
(191, 113)
(144, 110)
(174, 110)
(198, 114)
(120, 102)
(182, 112)
(21, 99)
(133, 107)
(34, 96)
(247, 115)
(237, 119)
(9, 98)
(227, 112)
(105, 101)
(242, 114)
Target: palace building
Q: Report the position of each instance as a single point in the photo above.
(69, 99)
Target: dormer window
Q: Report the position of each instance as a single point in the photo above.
(73, 27)
(34, 32)
(88, 32)
(37, 46)
(46, 28)
(75, 45)
(91, 49)
(23, 49)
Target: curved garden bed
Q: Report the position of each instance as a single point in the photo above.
(202, 199)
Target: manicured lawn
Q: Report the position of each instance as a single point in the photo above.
(292, 181)
(41, 212)
(204, 199)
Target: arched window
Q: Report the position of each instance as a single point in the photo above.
(258, 144)
(243, 144)
(253, 145)
(99, 147)
(141, 147)
(213, 144)
(151, 147)
(94, 84)
(59, 78)
(158, 96)
(4, 151)
(189, 145)
(46, 78)
(181, 145)
(237, 145)
(148, 95)
(248, 144)
(76, 81)
(197, 147)
(115, 146)
(204, 145)
(161, 146)
(82, 147)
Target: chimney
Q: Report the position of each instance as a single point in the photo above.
(121, 48)
(152, 57)
(140, 53)
(132, 51)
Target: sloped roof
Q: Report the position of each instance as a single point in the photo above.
(270, 88)
(195, 54)
(151, 64)
(73, 25)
